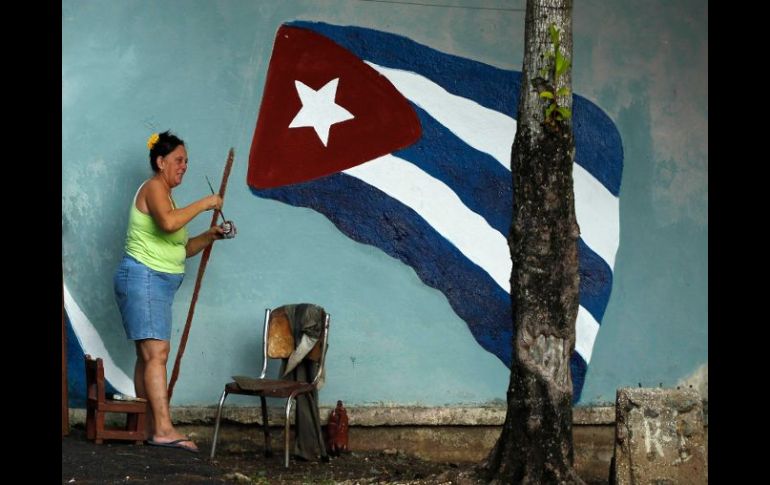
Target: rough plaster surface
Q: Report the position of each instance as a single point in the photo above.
(659, 437)
(698, 380)
(633, 52)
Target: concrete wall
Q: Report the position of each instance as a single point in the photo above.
(198, 68)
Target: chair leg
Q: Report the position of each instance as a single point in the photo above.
(266, 426)
(216, 423)
(286, 431)
(90, 423)
(99, 427)
(132, 424)
(141, 426)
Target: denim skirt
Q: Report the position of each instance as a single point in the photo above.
(144, 297)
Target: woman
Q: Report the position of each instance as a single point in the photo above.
(150, 274)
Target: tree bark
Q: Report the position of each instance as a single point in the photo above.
(536, 442)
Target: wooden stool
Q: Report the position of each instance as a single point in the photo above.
(97, 405)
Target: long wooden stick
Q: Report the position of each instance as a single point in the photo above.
(198, 280)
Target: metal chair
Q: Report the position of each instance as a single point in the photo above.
(278, 343)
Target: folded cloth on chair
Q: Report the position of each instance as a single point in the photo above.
(306, 321)
(304, 347)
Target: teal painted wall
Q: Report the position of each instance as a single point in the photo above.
(198, 67)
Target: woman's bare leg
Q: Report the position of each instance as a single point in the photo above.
(154, 356)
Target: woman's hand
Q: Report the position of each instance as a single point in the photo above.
(203, 240)
(216, 233)
(212, 202)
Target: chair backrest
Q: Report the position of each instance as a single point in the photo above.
(278, 340)
(94, 379)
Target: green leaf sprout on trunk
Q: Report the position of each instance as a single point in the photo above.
(544, 84)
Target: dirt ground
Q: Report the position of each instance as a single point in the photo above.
(84, 462)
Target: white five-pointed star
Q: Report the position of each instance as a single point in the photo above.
(319, 109)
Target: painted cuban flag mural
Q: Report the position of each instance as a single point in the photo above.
(408, 149)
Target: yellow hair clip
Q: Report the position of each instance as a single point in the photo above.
(152, 140)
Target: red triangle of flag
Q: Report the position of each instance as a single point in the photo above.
(310, 125)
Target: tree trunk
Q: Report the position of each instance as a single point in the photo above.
(536, 442)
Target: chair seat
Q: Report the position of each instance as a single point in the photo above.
(267, 387)
(113, 406)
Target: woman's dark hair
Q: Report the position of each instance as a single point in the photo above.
(167, 143)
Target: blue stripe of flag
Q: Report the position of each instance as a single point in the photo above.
(595, 281)
(578, 368)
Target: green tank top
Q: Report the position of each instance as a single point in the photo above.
(149, 244)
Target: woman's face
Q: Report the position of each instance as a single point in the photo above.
(173, 166)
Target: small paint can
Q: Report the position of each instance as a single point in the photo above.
(228, 229)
